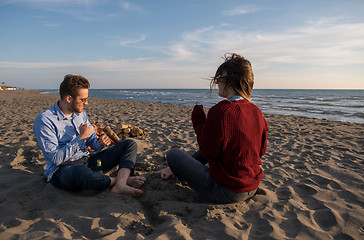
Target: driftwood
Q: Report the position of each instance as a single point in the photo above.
(121, 131)
(111, 134)
(127, 130)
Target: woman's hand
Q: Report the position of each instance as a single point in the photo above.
(165, 173)
(198, 115)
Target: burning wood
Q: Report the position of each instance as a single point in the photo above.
(98, 127)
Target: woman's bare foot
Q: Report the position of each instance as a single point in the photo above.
(165, 173)
(136, 181)
(125, 189)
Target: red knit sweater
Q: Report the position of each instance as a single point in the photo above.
(232, 138)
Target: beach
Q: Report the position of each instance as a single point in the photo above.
(313, 185)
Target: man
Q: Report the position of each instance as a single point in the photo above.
(63, 133)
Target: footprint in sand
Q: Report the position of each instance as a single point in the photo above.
(279, 207)
(241, 226)
(44, 226)
(304, 189)
(284, 193)
(343, 236)
(314, 204)
(292, 227)
(349, 197)
(319, 180)
(109, 222)
(335, 185)
(325, 218)
(261, 228)
(11, 222)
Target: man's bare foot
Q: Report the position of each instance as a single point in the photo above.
(136, 181)
(125, 189)
(165, 173)
(113, 181)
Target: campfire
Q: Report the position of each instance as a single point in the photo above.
(121, 131)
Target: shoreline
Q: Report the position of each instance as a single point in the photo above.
(284, 115)
(313, 181)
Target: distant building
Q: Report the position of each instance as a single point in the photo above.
(10, 88)
(4, 87)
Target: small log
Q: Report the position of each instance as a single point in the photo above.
(109, 132)
(136, 132)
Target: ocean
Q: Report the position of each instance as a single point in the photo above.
(335, 105)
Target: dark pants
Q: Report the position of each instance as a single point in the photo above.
(81, 176)
(194, 171)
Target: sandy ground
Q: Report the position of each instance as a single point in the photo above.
(313, 181)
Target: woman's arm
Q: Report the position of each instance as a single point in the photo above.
(209, 130)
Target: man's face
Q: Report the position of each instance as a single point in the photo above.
(80, 101)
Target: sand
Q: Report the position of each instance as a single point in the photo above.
(312, 189)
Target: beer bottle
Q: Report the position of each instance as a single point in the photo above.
(99, 166)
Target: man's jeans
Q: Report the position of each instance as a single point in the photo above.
(80, 176)
(194, 171)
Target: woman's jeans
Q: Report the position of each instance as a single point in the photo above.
(80, 176)
(194, 171)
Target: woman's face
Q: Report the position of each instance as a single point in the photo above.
(221, 85)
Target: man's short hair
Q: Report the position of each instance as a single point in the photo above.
(71, 84)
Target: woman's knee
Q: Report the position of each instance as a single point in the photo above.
(174, 155)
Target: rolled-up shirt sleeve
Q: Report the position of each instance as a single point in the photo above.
(53, 151)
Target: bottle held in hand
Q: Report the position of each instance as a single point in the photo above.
(99, 166)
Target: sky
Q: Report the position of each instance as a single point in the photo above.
(117, 44)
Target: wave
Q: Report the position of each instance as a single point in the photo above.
(337, 105)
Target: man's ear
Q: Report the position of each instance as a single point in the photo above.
(68, 98)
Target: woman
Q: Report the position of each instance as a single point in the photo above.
(232, 139)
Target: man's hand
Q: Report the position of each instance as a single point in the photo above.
(85, 131)
(104, 140)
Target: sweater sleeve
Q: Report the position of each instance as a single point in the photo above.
(198, 118)
(264, 139)
(210, 133)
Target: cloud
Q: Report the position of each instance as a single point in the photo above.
(51, 24)
(131, 7)
(126, 43)
(240, 10)
(122, 73)
(323, 42)
(121, 65)
(85, 10)
(47, 3)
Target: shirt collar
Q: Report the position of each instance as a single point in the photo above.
(61, 115)
(236, 98)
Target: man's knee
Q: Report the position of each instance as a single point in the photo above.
(129, 144)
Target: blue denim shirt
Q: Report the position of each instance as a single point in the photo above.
(58, 137)
(236, 98)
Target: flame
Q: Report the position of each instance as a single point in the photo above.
(99, 130)
(98, 127)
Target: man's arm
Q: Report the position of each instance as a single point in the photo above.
(91, 140)
(46, 133)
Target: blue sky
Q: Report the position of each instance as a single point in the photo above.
(309, 44)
